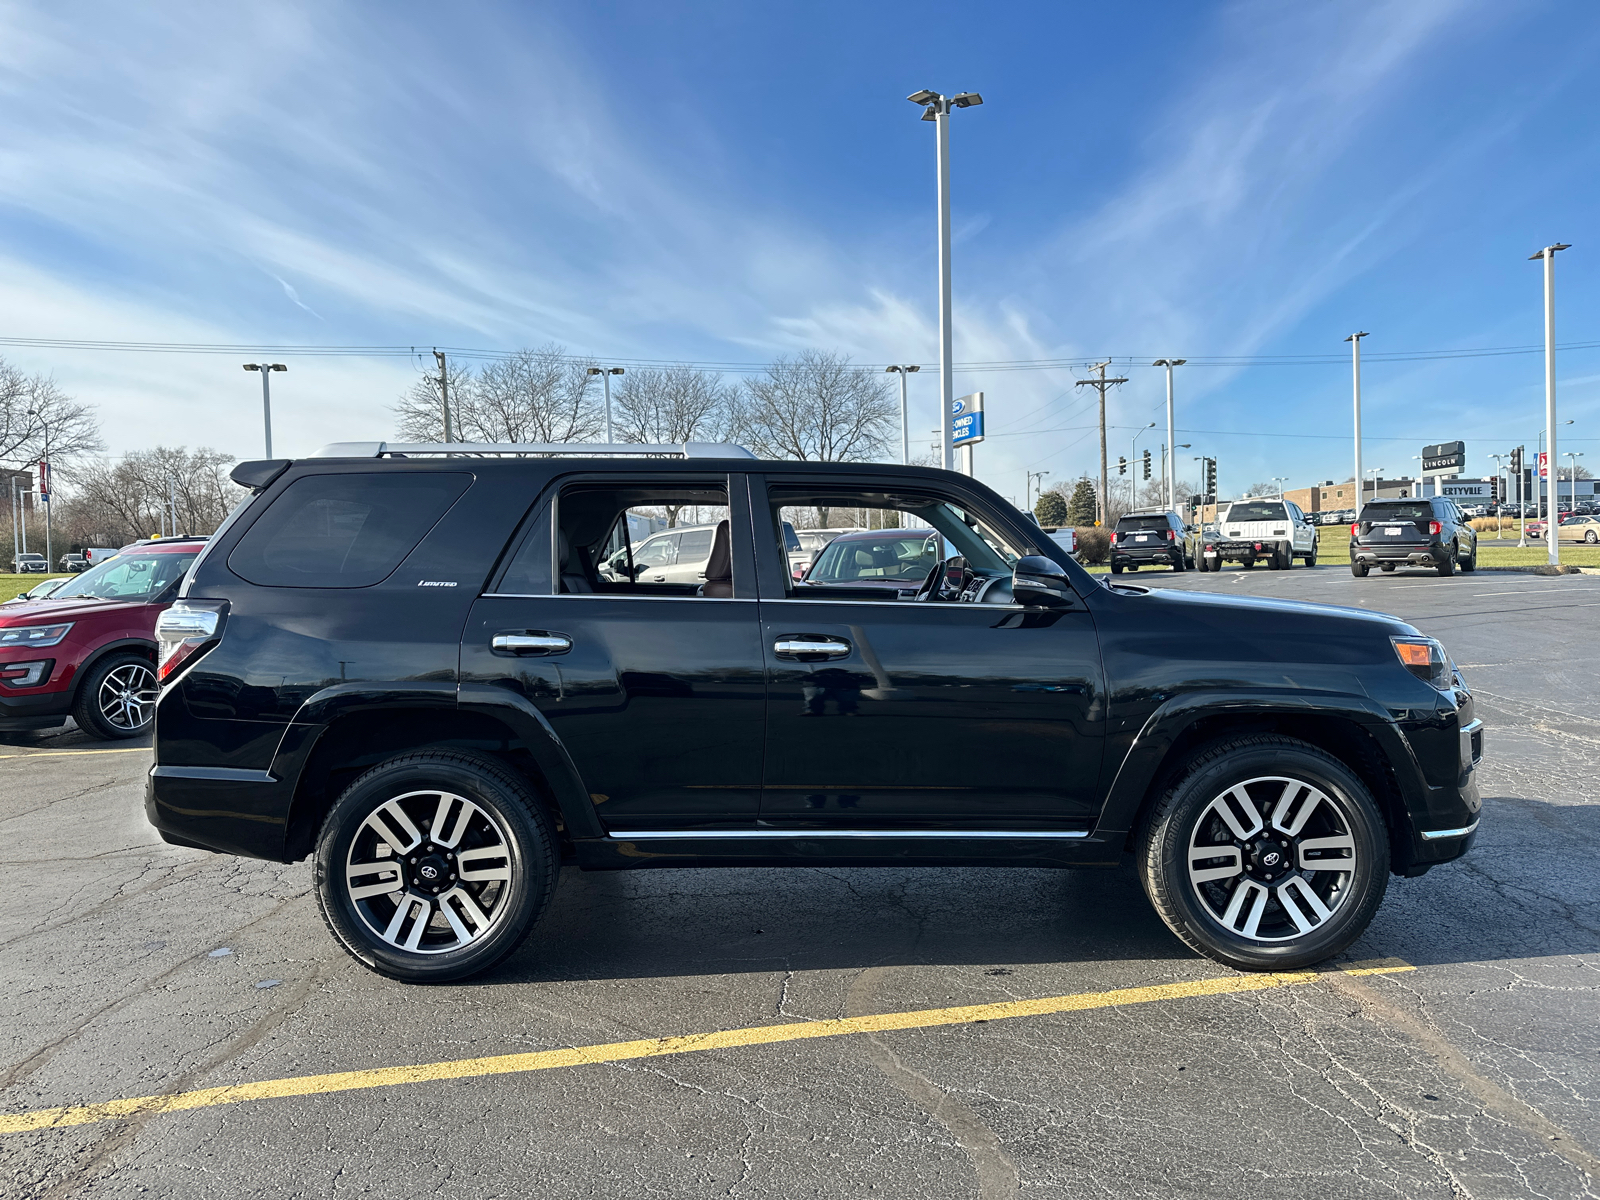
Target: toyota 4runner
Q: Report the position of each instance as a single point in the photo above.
(403, 661)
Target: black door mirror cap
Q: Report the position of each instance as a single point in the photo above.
(1041, 582)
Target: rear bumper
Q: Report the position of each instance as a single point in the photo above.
(1165, 552)
(1429, 555)
(219, 808)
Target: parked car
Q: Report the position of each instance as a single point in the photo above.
(1065, 536)
(878, 558)
(39, 590)
(30, 564)
(1579, 528)
(1274, 531)
(671, 556)
(1429, 532)
(89, 650)
(96, 555)
(409, 669)
(811, 543)
(74, 563)
(1148, 537)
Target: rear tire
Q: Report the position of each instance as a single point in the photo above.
(434, 866)
(1359, 570)
(1116, 569)
(1301, 858)
(117, 698)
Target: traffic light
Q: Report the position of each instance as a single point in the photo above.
(1211, 476)
(1122, 464)
(1147, 464)
(1516, 459)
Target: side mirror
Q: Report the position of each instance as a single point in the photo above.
(1041, 581)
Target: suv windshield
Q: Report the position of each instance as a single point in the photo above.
(1127, 523)
(129, 576)
(1414, 511)
(1258, 510)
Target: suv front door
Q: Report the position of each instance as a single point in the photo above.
(925, 715)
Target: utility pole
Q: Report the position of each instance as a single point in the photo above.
(1549, 256)
(444, 393)
(605, 374)
(1100, 383)
(1355, 367)
(1035, 479)
(905, 437)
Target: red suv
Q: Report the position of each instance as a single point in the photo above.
(89, 651)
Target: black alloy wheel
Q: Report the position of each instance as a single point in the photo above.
(434, 866)
(117, 698)
(1267, 854)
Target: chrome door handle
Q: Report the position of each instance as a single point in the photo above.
(530, 643)
(795, 647)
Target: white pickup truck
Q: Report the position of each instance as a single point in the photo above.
(1252, 531)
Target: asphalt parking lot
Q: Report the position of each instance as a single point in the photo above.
(1454, 1054)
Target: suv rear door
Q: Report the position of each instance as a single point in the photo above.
(1396, 523)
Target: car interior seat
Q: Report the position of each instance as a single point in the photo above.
(719, 567)
(573, 578)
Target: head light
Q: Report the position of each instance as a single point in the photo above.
(1424, 658)
(33, 635)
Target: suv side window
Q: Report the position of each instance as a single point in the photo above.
(621, 538)
(344, 531)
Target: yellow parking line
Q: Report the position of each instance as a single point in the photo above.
(577, 1056)
(61, 753)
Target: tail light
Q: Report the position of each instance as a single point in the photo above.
(1435, 528)
(1355, 530)
(1113, 537)
(184, 631)
(1171, 536)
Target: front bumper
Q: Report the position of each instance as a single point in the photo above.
(43, 710)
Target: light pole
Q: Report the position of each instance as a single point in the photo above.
(1422, 484)
(1543, 498)
(46, 485)
(1572, 457)
(1549, 256)
(1355, 368)
(905, 436)
(1280, 480)
(266, 370)
(1035, 478)
(605, 374)
(1499, 503)
(1169, 472)
(936, 108)
(1376, 473)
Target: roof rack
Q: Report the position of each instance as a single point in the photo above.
(530, 450)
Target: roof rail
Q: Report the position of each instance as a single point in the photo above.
(531, 450)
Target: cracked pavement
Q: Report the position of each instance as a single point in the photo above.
(1476, 1075)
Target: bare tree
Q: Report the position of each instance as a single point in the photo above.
(817, 407)
(35, 413)
(1267, 488)
(419, 415)
(114, 501)
(673, 405)
(542, 395)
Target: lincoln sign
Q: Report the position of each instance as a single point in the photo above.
(1447, 458)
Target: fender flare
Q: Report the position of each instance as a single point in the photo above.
(1164, 727)
(93, 658)
(548, 751)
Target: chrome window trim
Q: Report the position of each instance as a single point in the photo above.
(614, 596)
(1434, 835)
(647, 835)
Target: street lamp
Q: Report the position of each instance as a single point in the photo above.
(1543, 500)
(605, 374)
(1355, 369)
(1280, 480)
(1572, 457)
(1034, 478)
(1499, 502)
(1549, 256)
(46, 485)
(905, 437)
(936, 108)
(1170, 470)
(266, 370)
(1376, 473)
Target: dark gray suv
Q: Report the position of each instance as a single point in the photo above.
(1426, 532)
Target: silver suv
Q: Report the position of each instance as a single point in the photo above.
(671, 556)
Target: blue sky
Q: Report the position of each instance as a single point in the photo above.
(722, 182)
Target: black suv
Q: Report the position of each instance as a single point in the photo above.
(1426, 532)
(1149, 538)
(410, 668)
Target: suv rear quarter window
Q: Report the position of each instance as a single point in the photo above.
(343, 531)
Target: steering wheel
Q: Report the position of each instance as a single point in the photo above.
(925, 591)
(935, 587)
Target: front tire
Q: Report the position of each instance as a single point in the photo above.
(1447, 565)
(434, 866)
(117, 699)
(1267, 854)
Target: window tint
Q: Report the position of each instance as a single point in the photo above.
(1257, 511)
(1413, 511)
(1157, 523)
(343, 531)
(528, 573)
(694, 545)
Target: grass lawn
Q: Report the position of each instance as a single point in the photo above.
(10, 585)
